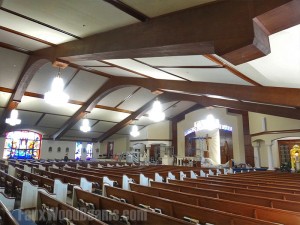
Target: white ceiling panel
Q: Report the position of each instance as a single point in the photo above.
(103, 126)
(168, 104)
(53, 121)
(208, 75)
(281, 67)
(117, 96)
(39, 105)
(4, 98)
(79, 134)
(74, 16)
(11, 66)
(143, 69)
(140, 98)
(102, 114)
(117, 72)
(32, 28)
(188, 60)
(84, 85)
(116, 136)
(180, 107)
(22, 42)
(29, 118)
(89, 63)
(155, 8)
(42, 80)
(79, 123)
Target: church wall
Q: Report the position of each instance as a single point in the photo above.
(232, 120)
(273, 123)
(157, 133)
(45, 154)
(120, 145)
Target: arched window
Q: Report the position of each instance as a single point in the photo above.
(22, 144)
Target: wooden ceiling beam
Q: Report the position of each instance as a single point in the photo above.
(33, 64)
(15, 48)
(87, 107)
(129, 10)
(193, 34)
(245, 106)
(269, 95)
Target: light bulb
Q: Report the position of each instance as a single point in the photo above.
(56, 95)
(156, 114)
(85, 126)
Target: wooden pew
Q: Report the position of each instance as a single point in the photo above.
(6, 217)
(35, 179)
(50, 209)
(249, 210)
(247, 185)
(237, 190)
(254, 200)
(175, 208)
(13, 186)
(135, 215)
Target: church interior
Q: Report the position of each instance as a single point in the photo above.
(143, 112)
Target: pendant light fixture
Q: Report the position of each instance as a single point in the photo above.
(85, 127)
(13, 120)
(56, 96)
(134, 131)
(156, 114)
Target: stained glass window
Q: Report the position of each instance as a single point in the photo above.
(23, 144)
(78, 150)
(89, 150)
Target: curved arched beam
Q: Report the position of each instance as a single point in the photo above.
(225, 28)
(33, 64)
(110, 86)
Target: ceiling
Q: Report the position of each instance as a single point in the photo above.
(121, 54)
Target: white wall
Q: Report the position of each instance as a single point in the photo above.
(274, 123)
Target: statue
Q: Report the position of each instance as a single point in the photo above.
(294, 152)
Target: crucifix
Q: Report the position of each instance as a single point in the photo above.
(207, 142)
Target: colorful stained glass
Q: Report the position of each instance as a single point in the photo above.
(22, 144)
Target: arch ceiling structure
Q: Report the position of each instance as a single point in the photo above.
(241, 55)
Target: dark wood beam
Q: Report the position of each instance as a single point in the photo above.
(264, 25)
(105, 89)
(192, 34)
(269, 95)
(33, 64)
(27, 36)
(129, 10)
(15, 48)
(38, 22)
(245, 106)
(249, 151)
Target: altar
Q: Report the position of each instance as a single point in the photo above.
(208, 139)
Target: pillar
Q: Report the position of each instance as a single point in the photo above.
(256, 147)
(270, 157)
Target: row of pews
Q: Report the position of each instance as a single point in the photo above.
(107, 193)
